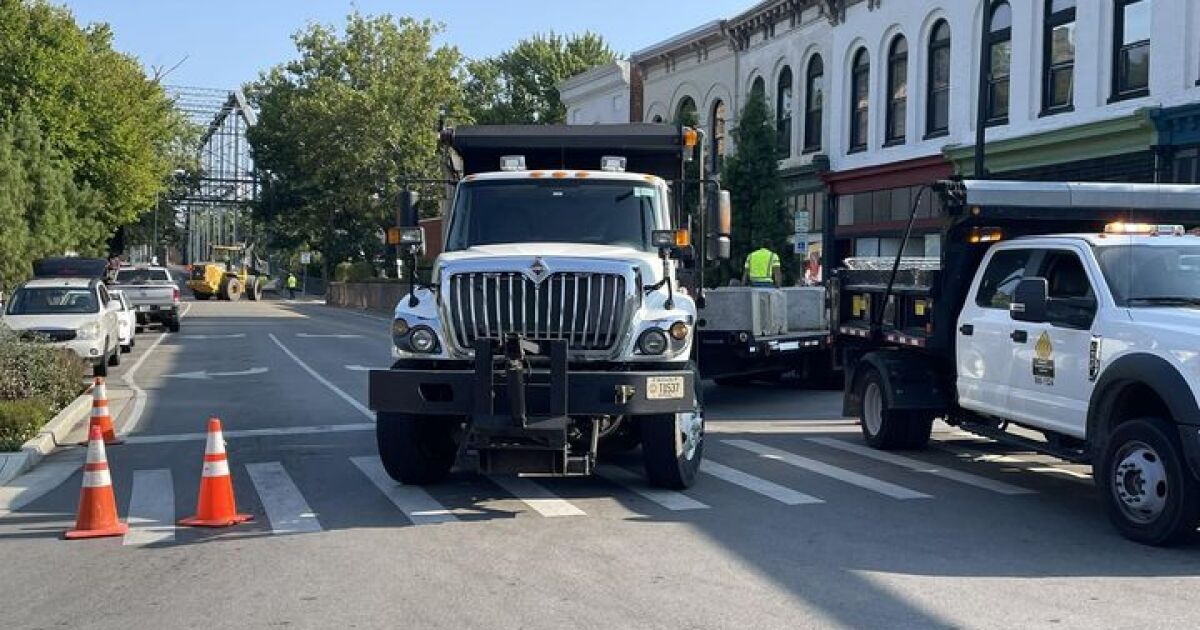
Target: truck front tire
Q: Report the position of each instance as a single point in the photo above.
(1151, 495)
(672, 448)
(890, 429)
(416, 450)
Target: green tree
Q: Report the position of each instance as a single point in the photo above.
(752, 176)
(343, 125)
(520, 84)
(114, 126)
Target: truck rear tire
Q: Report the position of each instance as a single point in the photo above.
(231, 289)
(672, 448)
(1145, 483)
(254, 288)
(416, 450)
(890, 429)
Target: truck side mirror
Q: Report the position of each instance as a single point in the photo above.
(721, 220)
(1029, 301)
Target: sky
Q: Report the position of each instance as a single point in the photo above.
(224, 44)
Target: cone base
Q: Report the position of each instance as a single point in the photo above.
(216, 522)
(116, 530)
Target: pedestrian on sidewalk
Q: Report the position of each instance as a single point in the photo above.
(291, 285)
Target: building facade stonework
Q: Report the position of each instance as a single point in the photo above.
(874, 99)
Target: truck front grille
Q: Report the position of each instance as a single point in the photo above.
(586, 309)
(47, 334)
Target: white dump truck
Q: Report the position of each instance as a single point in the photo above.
(557, 322)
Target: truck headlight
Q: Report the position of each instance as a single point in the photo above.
(399, 332)
(90, 330)
(653, 342)
(679, 331)
(423, 340)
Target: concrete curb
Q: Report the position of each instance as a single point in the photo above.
(52, 434)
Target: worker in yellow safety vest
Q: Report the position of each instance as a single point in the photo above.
(763, 268)
(291, 285)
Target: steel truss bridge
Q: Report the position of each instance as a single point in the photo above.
(216, 210)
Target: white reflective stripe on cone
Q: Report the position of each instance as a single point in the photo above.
(99, 391)
(96, 479)
(216, 469)
(99, 411)
(95, 453)
(215, 444)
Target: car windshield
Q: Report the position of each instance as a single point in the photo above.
(142, 276)
(554, 211)
(1152, 275)
(52, 300)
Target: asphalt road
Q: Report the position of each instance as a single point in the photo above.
(793, 525)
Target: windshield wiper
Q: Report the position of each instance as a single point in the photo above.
(1167, 300)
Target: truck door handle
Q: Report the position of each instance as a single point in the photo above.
(967, 329)
(1019, 336)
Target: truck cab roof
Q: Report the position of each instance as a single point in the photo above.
(1112, 240)
(564, 174)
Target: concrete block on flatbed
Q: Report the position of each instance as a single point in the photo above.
(758, 310)
(805, 308)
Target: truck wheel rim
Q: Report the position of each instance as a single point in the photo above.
(1140, 482)
(873, 408)
(689, 433)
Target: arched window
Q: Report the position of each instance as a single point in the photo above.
(1058, 56)
(897, 94)
(783, 114)
(814, 100)
(860, 95)
(685, 113)
(717, 135)
(1131, 48)
(937, 89)
(999, 42)
(758, 87)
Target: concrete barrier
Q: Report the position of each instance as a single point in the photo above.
(380, 297)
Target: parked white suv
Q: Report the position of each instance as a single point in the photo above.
(75, 313)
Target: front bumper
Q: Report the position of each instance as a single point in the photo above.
(490, 388)
(91, 351)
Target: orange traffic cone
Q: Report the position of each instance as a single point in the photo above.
(97, 505)
(216, 506)
(100, 415)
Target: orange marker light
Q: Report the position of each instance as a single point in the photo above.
(683, 238)
(537, 175)
(582, 174)
(690, 137)
(558, 175)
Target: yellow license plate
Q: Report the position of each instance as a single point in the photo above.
(664, 387)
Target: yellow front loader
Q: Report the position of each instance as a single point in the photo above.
(234, 270)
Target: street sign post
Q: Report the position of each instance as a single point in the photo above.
(801, 224)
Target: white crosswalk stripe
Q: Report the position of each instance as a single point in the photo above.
(770, 489)
(828, 470)
(669, 499)
(151, 508)
(924, 467)
(417, 505)
(536, 497)
(285, 506)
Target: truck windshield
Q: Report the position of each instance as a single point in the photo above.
(592, 212)
(51, 301)
(1152, 275)
(142, 276)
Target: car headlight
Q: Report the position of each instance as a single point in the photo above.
(399, 332)
(423, 340)
(653, 342)
(90, 330)
(679, 331)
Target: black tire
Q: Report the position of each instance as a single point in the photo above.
(114, 359)
(100, 368)
(254, 288)
(1143, 452)
(203, 297)
(885, 428)
(416, 450)
(626, 438)
(172, 325)
(132, 342)
(231, 289)
(669, 462)
(127, 349)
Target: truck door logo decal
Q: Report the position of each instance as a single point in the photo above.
(1094, 358)
(1043, 361)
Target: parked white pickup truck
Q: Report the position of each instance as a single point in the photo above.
(153, 294)
(1069, 310)
(75, 313)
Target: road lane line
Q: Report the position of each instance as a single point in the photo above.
(765, 424)
(912, 464)
(151, 508)
(285, 506)
(535, 496)
(769, 489)
(134, 417)
(321, 379)
(417, 505)
(250, 433)
(821, 468)
(669, 499)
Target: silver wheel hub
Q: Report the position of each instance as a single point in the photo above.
(872, 415)
(1140, 482)
(689, 433)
